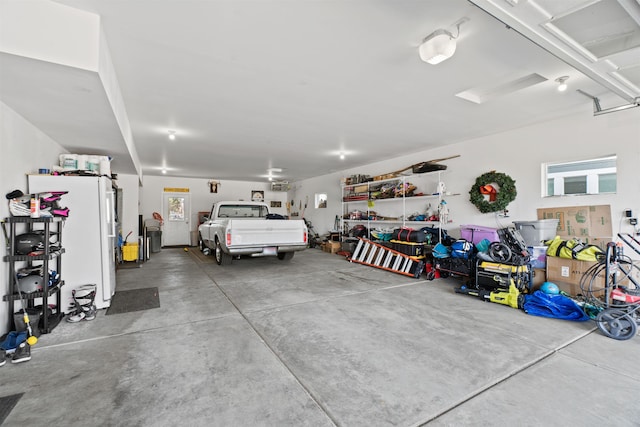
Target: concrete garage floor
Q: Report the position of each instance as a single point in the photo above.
(319, 341)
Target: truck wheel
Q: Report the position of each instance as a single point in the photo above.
(201, 243)
(285, 256)
(222, 258)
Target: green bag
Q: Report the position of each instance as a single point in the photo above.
(573, 249)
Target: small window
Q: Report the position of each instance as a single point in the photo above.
(592, 176)
(176, 208)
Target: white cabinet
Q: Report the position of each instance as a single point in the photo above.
(414, 201)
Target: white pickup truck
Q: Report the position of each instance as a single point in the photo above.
(246, 228)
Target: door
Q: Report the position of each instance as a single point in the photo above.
(176, 208)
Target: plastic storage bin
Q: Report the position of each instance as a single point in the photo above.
(538, 256)
(412, 249)
(535, 233)
(477, 233)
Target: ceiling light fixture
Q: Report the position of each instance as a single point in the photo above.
(164, 171)
(172, 135)
(562, 83)
(341, 156)
(439, 45)
(271, 171)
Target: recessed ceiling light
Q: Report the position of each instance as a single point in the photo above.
(341, 156)
(172, 135)
(164, 171)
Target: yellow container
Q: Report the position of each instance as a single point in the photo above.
(130, 252)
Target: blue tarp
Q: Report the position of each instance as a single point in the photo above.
(554, 306)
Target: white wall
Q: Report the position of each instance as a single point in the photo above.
(201, 199)
(24, 150)
(519, 154)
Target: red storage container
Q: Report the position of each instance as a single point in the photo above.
(477, 233)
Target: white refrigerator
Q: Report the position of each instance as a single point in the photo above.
(88, 234)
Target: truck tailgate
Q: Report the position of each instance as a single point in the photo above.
(266, 232)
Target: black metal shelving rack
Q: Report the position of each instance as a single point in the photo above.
(50, 226)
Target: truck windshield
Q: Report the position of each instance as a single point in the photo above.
(242, 211)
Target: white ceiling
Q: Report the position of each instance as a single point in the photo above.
(250, 85)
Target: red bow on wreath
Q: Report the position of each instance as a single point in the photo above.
(490, 190)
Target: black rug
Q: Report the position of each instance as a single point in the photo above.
(134, 300)
(6, 405)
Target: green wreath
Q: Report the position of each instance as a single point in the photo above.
(505, 194)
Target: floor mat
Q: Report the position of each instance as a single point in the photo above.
(6, 405)
(134, 300)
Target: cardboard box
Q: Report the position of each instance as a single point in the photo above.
(567, 274)
(539, 277)
(331, 247)
(580, 221)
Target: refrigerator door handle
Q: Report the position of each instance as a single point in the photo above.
(110, 219)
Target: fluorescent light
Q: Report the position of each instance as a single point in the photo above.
(437, 47)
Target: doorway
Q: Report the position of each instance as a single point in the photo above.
(176, 208)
